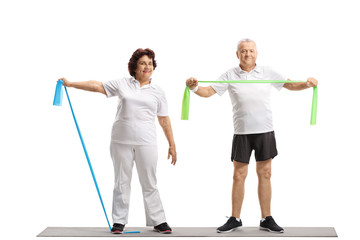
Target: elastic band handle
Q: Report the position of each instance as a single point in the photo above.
(185, 104)
(58, 97)
(314, 106)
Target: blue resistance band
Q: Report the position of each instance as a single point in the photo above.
(57, 101)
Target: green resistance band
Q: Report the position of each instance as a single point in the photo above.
(186, 98)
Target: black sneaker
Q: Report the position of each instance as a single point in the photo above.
(117, 228)
(163, 228)
(270, 225)
(231, 225)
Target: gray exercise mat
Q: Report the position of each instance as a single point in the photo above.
(187, 232)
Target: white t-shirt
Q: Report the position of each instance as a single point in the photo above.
(137, 108)
(251, 101)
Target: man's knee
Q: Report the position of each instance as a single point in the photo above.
(239, 176)
(263, 170)
(264, 173)
(240, 172)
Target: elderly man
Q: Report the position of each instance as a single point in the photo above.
(253, 128)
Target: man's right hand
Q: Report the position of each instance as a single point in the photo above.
(192, 83)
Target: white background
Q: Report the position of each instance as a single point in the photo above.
(44, 177)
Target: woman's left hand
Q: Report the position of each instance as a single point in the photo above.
(172, 153)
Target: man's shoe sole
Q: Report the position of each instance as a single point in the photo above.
(233, 229)
(116, 232)
(268, 229)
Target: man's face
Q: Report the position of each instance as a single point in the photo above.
(247, 53)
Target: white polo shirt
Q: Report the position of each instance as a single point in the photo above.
(138, 106)
(251, 101)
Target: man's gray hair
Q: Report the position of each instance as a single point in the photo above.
(245, 40)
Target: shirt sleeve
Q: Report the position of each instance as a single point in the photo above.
(162, 106)
(112, 87)
(220, 88)
(275, 76)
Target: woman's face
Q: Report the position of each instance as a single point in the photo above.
(144, 68)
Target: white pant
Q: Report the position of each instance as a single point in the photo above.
(145, 157)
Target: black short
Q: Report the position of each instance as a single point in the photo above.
(264, 145)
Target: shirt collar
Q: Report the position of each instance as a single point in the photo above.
(257, 69)
(146, 86)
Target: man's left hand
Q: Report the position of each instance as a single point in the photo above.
(311, 82)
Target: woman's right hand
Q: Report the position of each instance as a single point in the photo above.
(192, 83)
(66, 83)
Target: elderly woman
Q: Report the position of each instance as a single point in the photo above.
(133, 137)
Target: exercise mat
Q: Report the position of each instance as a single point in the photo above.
(187, 232)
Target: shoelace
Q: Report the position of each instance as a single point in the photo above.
(230, 217)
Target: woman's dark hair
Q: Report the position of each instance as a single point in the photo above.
(137, 55)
